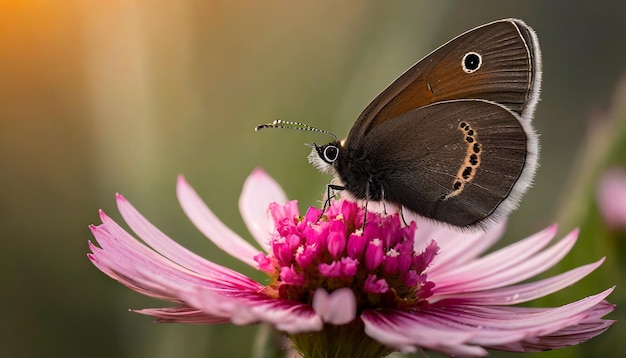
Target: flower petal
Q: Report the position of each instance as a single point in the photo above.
(99, 259)
(510, 318)
(586, 329)
(522, 293)
(181, 314)
(120, 257)
(336, 308)
(165, 245)
(458, 247)
(457, 329)
(289, 316)
(612, 197)
(407, 333)
(135, 265)
(129, 245)
(508, 265)
(204, 219)
(258, 192)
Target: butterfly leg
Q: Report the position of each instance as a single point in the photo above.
(382, 200)
(400, 210)
(365, 215)
(329, 196)
(402, 216)
(367, 200)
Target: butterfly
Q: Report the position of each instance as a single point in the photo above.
(451, 139)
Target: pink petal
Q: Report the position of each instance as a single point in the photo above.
(204, 219)
(121, 243)
(521, 293)
(458, 247)
(612, 197)
(120, 257)
(511, 264)
(289, 316)
(336, 308)
(406, 334)
(586, 329)
(258, 192)
(211, 302)
(135, 265)
(104, 265)
(512, 318)
(461, 330)
(517, 270)
(181, 314)
(166, 246)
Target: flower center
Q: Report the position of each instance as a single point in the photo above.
(377, 262)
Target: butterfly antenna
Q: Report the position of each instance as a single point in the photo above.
(279, 123)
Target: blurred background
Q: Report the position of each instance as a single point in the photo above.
(122, 96)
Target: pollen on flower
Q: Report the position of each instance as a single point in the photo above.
(392, 253)
(335, 251)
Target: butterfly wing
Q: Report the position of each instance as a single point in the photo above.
(463, 162)
(508, 73)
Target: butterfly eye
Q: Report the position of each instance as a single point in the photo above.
(471, 62)
(331, 153)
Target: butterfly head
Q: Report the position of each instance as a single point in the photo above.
(322, 157)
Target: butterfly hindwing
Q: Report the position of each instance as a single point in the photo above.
(452, 161)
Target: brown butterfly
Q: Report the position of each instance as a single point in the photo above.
(450, 139)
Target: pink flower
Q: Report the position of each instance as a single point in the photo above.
(612, 197)
(354, 291)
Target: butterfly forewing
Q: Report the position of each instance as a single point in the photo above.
(507, 57)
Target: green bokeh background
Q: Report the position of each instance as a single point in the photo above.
(122, 96)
